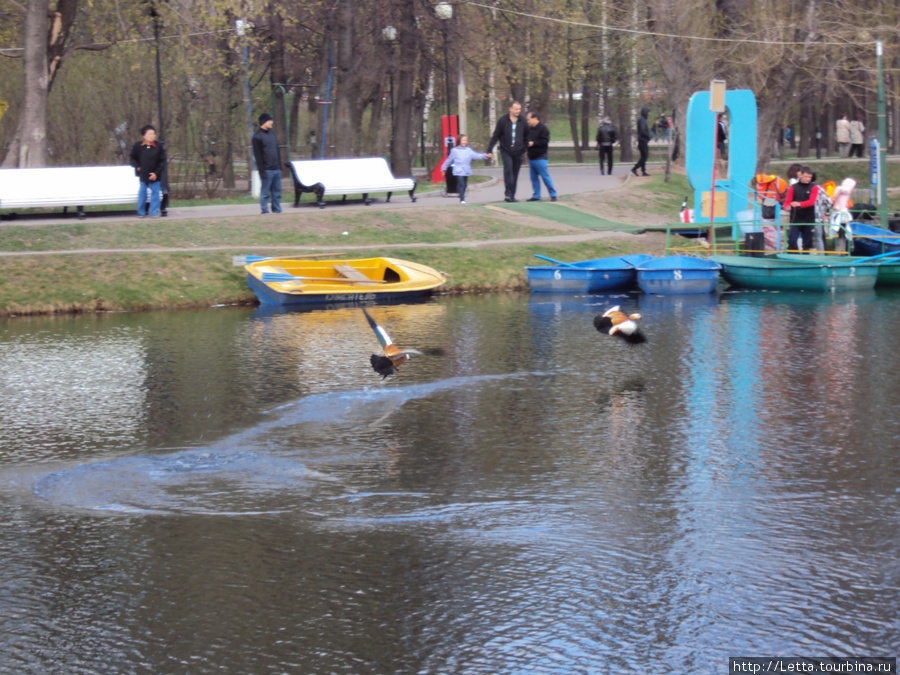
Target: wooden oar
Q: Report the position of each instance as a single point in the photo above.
(241, 260)
(555, 262)
(877, 257)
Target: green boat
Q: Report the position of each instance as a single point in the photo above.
(888, 271)
(773, 274)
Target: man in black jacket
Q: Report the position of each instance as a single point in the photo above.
(606, 139)
(149, 161)
(643, 139)
(538, 142)
(268, 163)
(510, 134)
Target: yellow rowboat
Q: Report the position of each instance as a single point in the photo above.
(287, 281)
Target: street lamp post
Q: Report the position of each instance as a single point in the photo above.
(882, 140)
(389, 33)
(164, 178)
(444, 12)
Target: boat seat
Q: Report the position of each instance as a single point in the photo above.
(353, 274)
(360, 175)
(77, 186)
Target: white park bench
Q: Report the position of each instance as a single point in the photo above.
(363, 175)
(77, 186)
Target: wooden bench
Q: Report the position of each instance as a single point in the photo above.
(363, 175)
(77, 186)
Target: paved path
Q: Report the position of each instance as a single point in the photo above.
(568, 179)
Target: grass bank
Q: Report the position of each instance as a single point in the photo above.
(136, 264)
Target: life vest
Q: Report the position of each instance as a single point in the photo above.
(770, 187)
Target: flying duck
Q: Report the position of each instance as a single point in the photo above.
(617, 323)
(393, 356)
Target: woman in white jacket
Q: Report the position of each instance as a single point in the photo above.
(460, 158)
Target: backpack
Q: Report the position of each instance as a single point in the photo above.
(823, 205)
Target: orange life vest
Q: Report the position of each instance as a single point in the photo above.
(770, 187)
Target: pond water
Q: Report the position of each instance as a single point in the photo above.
(236, 491)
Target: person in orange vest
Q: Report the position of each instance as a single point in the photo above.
(770, 189)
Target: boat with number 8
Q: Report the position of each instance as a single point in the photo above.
(677, 274)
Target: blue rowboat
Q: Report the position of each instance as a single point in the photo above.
(676, 274)
(787, 275)
(869, 240)
(587, 276)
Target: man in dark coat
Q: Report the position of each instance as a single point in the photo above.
(149, 161)
(643, 139)
(510, 135)
(538, 143)
(606, 139)
(268, 163)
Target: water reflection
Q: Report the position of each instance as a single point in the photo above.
(238, 490)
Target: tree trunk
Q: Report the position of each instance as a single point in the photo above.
(408, 35)
(586, 105)
(29, 145)
(570, 90)
(807, 127)
(346, 84)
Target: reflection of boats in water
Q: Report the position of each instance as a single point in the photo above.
(658, 304)
(801, 298)
(551, 303)
(330, 346)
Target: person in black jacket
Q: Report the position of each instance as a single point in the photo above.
(268, 163)
(606, 139)
(149, 161)
(643, 139)
(538, 142)
(510, 135)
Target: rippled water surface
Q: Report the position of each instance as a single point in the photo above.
(236, 491)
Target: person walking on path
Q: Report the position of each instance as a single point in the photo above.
(801, 200)
(842, 136)
(149, 161)
(268, 163)
(460, 158)
(510, 135)
(857, 139)
(606, 139)
(643, 140)
(538, 142)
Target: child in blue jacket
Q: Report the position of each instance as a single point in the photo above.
(461, 158)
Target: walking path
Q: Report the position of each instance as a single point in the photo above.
(568, 179)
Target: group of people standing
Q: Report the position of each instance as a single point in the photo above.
(148, 158)
(515, 138)
(803, 199)
(850, 136)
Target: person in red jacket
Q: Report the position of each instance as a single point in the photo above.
(801, 200)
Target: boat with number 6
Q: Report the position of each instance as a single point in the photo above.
(289, 281)
(586, 276)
